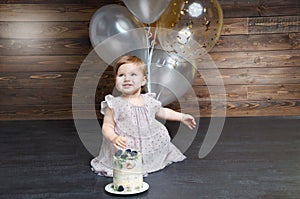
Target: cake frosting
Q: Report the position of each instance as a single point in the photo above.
(127, 171)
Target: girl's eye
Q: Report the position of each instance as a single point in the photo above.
(133, 74)
(121, 75)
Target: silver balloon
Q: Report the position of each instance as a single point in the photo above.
(170, 76)
(116, 21)
(147, 11)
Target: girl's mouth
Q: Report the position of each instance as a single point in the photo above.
(127, 85)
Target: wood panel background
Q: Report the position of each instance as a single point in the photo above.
(44, 43)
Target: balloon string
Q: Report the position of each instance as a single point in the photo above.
(149, 35)
(161, 90)
(150, 54)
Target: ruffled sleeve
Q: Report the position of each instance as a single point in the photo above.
(154, 104)
(152, 95)
(107, 103)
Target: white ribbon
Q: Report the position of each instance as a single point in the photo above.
(150, 45)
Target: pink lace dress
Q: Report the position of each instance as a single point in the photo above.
(143, 133)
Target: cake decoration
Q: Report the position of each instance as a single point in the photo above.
(127, 171)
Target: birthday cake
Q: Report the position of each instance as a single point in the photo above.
(127, 171)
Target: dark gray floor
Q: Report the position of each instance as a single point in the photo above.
(254, 158)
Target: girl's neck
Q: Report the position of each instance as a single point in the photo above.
(132, 96)
(136, 99)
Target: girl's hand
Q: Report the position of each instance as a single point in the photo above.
(188, 120)
(119, 142)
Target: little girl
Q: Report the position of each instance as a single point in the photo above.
(129, 122)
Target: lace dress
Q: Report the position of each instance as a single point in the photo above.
(143, 133)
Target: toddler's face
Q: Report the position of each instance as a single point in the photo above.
(130, 78)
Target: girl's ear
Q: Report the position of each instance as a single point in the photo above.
(144, 81)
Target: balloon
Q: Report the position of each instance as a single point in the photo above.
(147, 11)
(115, 20)
(170, 76)
(172, 14)
(195, 32)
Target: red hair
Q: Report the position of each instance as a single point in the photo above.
(127, 59)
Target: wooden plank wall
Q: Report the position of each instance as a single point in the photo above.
(44, 42)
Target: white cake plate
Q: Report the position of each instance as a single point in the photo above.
(110, 188)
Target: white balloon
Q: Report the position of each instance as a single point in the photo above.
(171, 76)
(111, 20)
(147, 11)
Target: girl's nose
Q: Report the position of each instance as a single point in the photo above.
(126, 78)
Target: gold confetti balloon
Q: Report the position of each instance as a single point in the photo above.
(172, 14)
(190, 28)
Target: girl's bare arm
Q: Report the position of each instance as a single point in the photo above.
(169, 114)
(108, 130)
